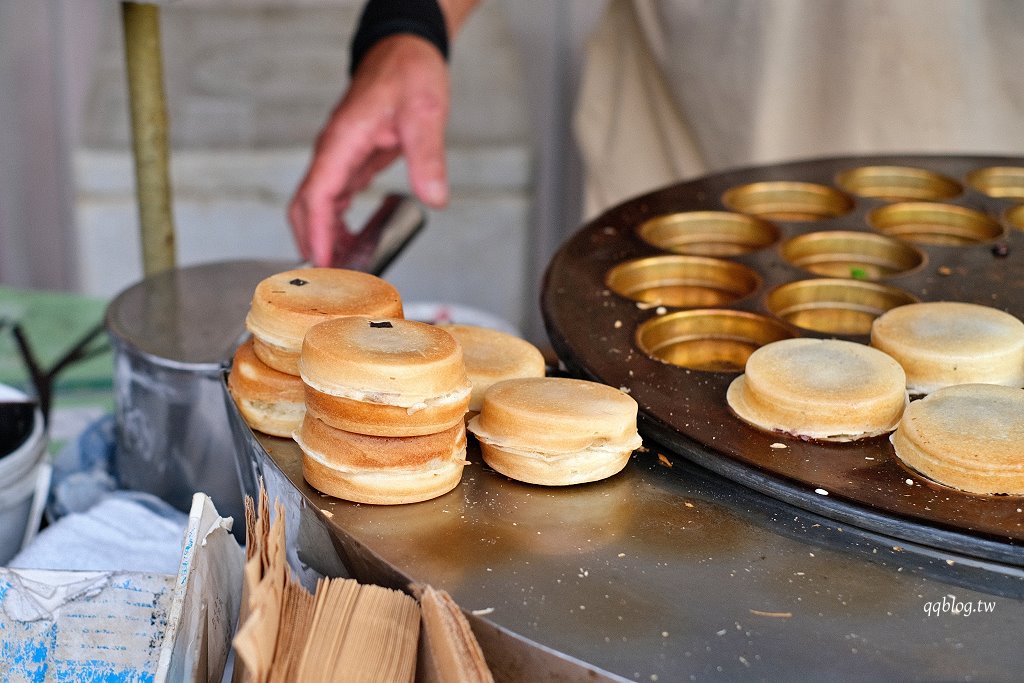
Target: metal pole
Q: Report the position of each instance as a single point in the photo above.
(149, 134)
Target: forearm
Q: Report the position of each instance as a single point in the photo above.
(456, 13)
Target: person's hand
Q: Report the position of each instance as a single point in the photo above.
(397, 105)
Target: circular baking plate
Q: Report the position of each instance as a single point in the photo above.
(666, 295)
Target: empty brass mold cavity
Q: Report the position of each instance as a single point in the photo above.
(935, 224)
(788, 201)
(1015, 217)
(708, 339)
(998, 181)
(708, 233)
(835, 306)
(851, 254)
(681, 281)
(898, 183)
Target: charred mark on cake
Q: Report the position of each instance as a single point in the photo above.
(298, 282)
(383, 323)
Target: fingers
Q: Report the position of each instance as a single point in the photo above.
(334, 176)
(396, 104)
(315, 221)
(421, 130)
(377, 162)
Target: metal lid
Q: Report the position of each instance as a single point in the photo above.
(189, 316)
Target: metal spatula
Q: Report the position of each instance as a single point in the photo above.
(388, 231)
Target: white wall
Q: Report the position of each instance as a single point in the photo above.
(41, 44)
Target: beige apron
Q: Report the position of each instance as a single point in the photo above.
(676, 89)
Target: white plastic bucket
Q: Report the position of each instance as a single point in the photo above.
(24, 483)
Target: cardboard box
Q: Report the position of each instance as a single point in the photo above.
(127, 626)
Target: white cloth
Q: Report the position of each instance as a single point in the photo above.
(124, 531)
(673, 90)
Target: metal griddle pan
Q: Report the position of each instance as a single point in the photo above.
(666, 302)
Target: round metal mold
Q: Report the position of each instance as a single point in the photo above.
(1015, 217)
(898, 183)
(935, 224)
(851, 254)
(788, 201)
(708, 233)
(716, 340)
(597, 335)
(1005, 182)
(834, 306)
(682, 281)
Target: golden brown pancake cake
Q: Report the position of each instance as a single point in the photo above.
(556, 431)
(942, 343)
(825, 389)
(270, 401)
(384, 376)
(492, 356)
(969, 437)
(377, 469)
(285, 305)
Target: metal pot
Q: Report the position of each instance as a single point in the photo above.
(172, 334)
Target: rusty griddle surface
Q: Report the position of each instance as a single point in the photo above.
(592, 329)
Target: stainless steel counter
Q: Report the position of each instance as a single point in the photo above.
(665, 572)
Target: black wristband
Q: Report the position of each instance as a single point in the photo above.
(383, 18)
